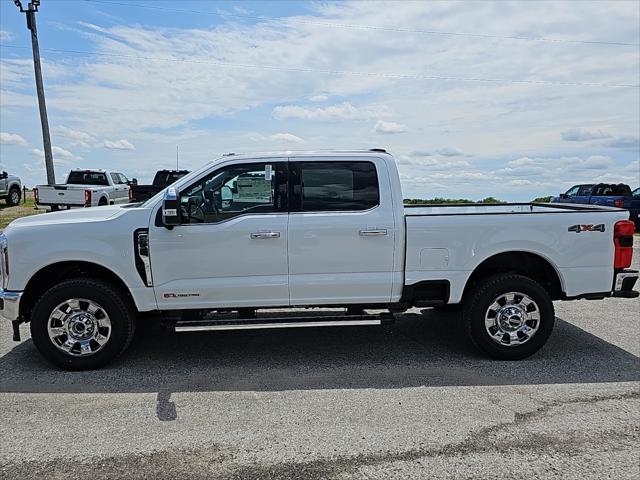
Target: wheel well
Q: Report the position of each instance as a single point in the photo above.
(525, 263)
(103, 199)
(58, 272)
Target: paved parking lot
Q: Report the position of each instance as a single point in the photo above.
(411, 400)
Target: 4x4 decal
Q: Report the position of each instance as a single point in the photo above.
(587, 228)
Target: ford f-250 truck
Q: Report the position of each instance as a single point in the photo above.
(84, 188)
(303, 230)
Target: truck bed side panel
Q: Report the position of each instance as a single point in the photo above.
(450, 247)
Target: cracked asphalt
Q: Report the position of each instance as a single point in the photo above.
(412, 400)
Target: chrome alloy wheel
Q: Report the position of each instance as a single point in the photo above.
(79, 327)
(512, 319)
(15, 197)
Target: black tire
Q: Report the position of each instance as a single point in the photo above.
(111, 300)
(485, 293)
(14, 197)
(103, 202)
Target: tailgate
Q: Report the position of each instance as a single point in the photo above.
(61, 195)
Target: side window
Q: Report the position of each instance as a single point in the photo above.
(235, 190)
(573, 190)
(585, 190)
(124, 180)
(334, 186)
(115, 177)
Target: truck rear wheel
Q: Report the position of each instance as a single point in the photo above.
(82, 324)
(509, 316)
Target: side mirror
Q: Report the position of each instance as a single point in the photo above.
(170, 208)
(133, 181)
(3, 175)
(564, 195)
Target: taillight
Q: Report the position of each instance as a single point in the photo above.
(36, 198)
(130, 195)
(618, 203)
(623, 241)
(87, 198)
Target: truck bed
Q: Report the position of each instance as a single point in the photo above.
(577, 240)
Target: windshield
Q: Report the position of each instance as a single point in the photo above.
(87, 178)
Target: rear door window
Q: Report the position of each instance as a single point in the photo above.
(334, 186)
(87, 178)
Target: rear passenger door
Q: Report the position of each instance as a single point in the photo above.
(341, 231)
(584, 195)
(120, 188)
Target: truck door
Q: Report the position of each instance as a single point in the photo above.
(583, 196)
(230, 249)
(341, 231)
(120, 188)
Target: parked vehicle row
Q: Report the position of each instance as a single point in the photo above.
(317, 229)
(98, 187)
(10, 189)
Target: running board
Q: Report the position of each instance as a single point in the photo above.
(282, 322)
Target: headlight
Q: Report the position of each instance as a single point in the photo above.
(4, 260)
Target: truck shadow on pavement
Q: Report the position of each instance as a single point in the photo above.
(419, 350)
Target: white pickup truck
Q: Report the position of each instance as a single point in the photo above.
(255, 232)
(85, 188)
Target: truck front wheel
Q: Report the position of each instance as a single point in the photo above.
(14, 197)
(509, 316)
(82, 324)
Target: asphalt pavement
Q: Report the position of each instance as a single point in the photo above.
(411, 400)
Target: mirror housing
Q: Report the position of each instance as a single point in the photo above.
(170, 208)
(133, 181)
(564, 195)
(3, 175)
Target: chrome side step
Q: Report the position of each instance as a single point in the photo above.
(282, 322)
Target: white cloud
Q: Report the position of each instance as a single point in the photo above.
(5, 35)
(343, 111)
(78, 138)
(60, 155)
(389, 127)
(286, 137)
(276, 137)
(119, 144)
(319, 98)
(583, 135)
(7, 138)
(628, 142)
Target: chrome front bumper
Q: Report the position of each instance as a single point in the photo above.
(10, 305)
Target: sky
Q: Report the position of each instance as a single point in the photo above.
(514, 100)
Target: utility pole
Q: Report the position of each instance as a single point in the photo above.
(31, 10)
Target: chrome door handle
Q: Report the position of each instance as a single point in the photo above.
(373, 232)
(264, 235)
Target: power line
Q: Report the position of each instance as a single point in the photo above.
(335, 72)
(370, 27)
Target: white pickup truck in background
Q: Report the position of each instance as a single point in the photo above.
(287, 230)
(85, 188)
